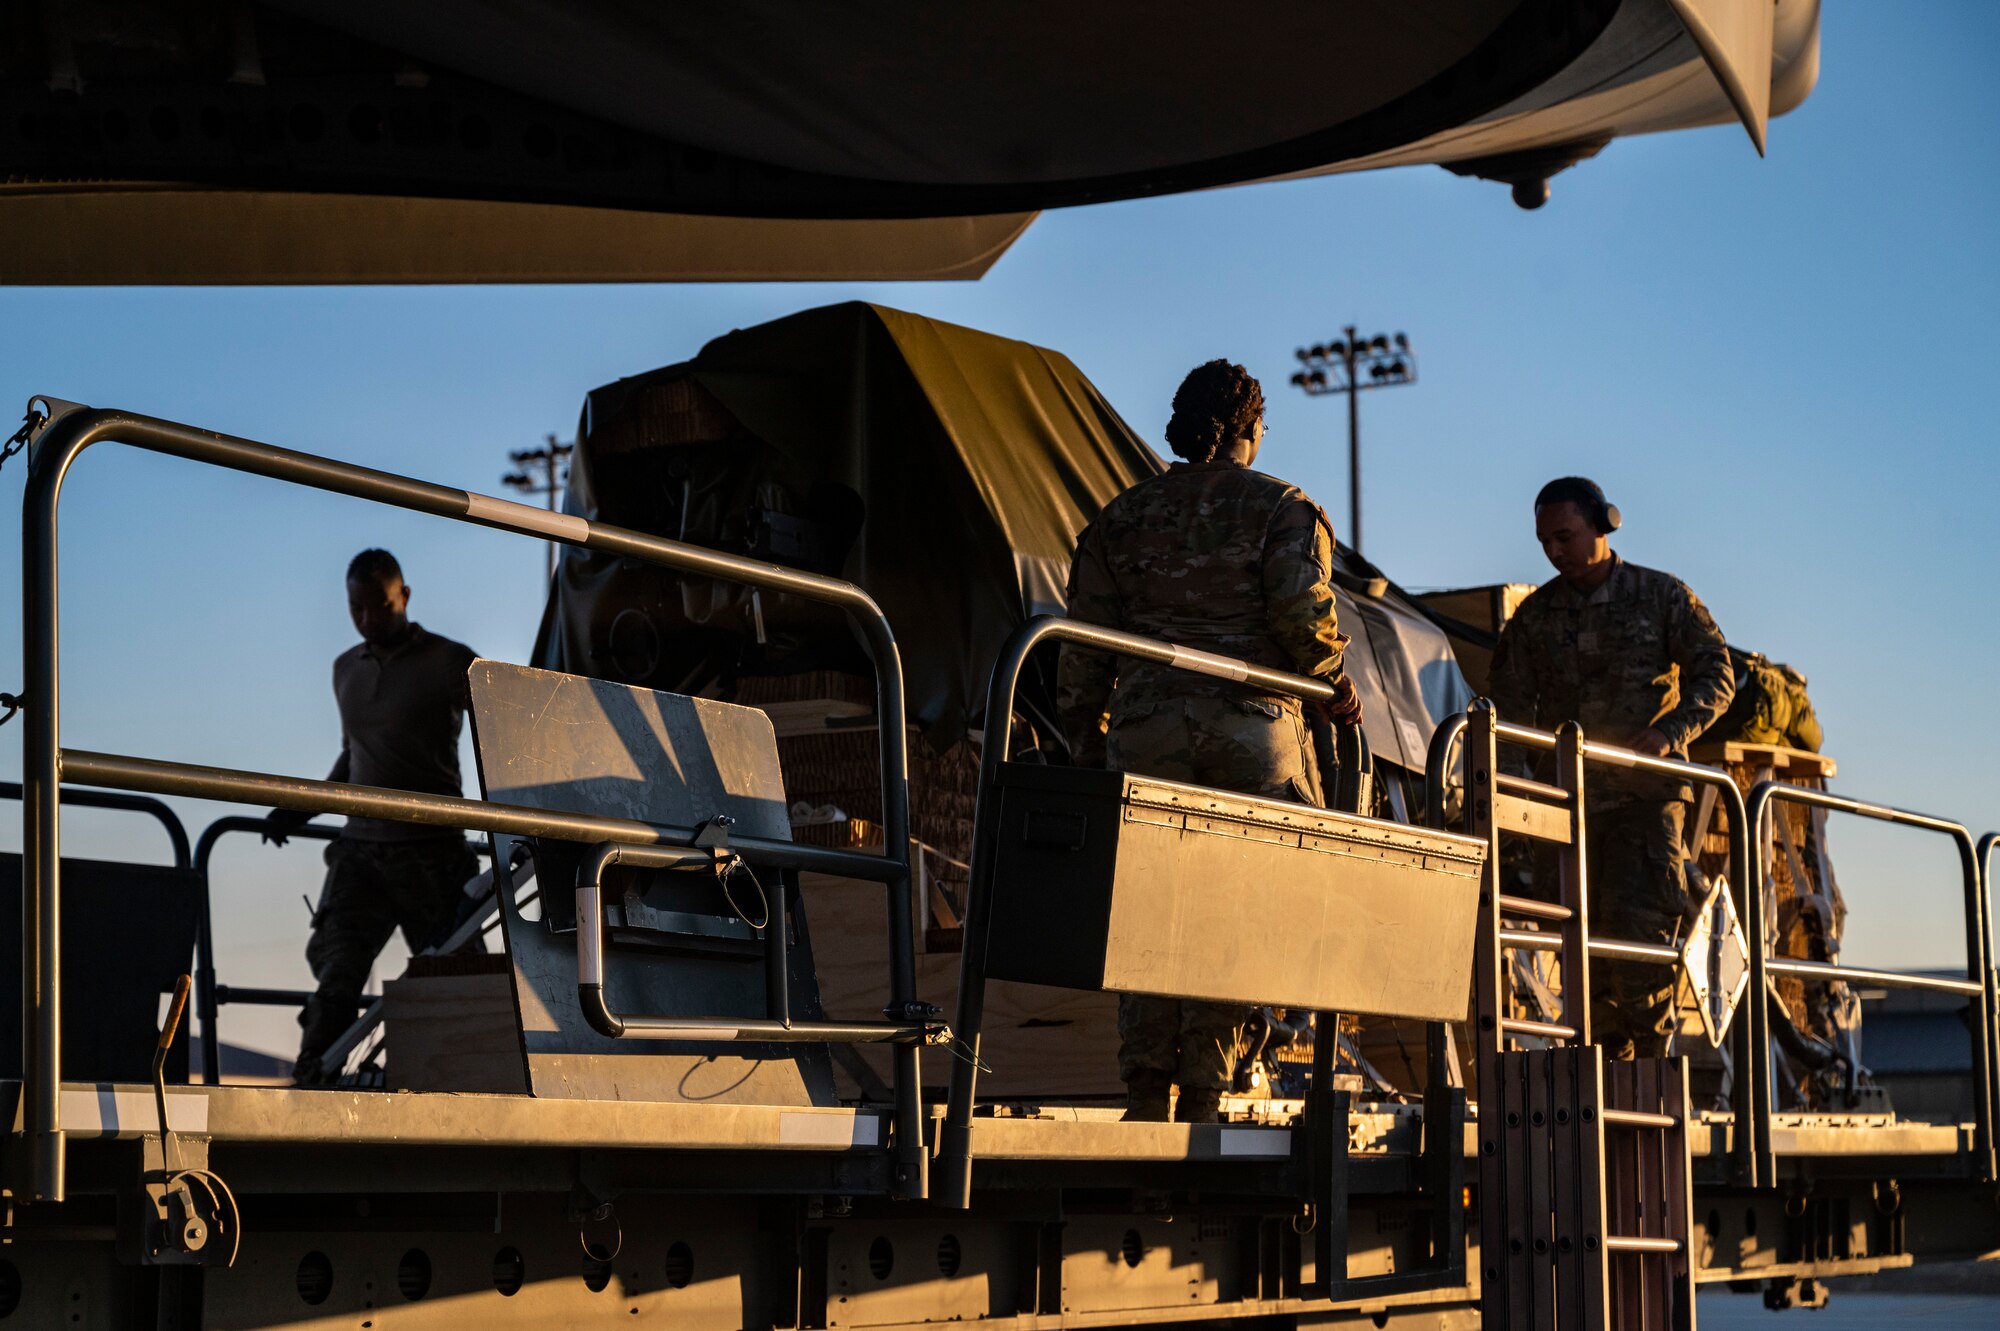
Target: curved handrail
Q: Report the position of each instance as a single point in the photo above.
(1979, 983)
(72, 429)
(207, 1009)
(955, 1135)
(1437, 764)
(208, 998)
(1754, 1160)
(117, 799)
(776, 1027)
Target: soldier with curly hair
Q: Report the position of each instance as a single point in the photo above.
(1214, 556)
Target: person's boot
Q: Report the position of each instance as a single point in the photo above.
(1147, 1095)
(1198, 1107)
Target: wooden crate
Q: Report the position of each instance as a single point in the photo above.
(453, 1032)
(1040, 1043)
(666, 412)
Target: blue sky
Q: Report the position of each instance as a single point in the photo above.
(1774, 366)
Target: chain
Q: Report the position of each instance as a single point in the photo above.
(31, 421)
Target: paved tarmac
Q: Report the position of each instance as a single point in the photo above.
(1721, 1311)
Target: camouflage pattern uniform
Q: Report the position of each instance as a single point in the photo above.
(372, 889)
(1640, 651)
(1227, 560)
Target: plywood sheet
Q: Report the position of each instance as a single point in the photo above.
(1040, 1043)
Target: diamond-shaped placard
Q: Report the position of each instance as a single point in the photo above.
(1717, 960)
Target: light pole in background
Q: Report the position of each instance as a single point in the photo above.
(1350, 364)
(540, 472)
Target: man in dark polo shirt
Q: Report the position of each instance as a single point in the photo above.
(402, 695)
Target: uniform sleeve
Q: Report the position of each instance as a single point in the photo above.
(1298, 590)
(1510, 680)
(1084, 678)
(1707, 682)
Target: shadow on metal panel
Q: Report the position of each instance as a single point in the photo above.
(128, 934)
(556, 741)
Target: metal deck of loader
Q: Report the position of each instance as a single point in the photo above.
(429, 1209)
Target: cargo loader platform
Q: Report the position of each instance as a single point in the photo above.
(677, 1151)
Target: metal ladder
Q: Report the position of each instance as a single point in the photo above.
(1585, 1198)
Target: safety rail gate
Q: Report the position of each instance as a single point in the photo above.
(67, 429)
(1585, 1174)
(1321, 1145)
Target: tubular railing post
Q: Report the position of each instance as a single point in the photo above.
(955, 1134)
(1990, 1037)
(206, 1016)
(912, 1168)
(1979, 984)
(1575, 885)
(1447, 1222)
(1752, 1156)
(41, 822)
(207, 1010)
(50, 456)
(1489, 1003)
(1750, 1106)
(1979, 967)
(177, 837)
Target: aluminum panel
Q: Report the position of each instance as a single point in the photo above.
(1105, 880)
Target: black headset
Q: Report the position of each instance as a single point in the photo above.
(1589, 498)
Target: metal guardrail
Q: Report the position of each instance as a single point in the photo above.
(1978, 983)
(1983, 857)
(111, 799)
(955, 1135)
(1751, 1160)
(209, 995)
(778, 1026)
(1751, 831)
(70, 429)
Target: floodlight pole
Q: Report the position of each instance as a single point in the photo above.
(1388, 364)
(1353, 445)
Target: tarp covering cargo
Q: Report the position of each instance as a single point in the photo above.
(945, 470)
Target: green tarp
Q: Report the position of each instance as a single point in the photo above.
(945, 470)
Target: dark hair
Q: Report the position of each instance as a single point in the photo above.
(373, 566)
(1217, 403)
(1588, 497)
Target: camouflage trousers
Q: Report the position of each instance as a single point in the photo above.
(1638, 891)
(1251, 745)
(372, 889)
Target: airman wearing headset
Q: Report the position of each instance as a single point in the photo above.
(1634, 657)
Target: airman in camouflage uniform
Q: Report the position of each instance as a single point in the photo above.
(1633, 656)
(1214, 556)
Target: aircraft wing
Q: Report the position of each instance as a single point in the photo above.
(197, 141)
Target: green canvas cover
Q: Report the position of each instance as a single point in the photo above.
(946, 470)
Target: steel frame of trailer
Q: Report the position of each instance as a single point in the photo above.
(1064, 1215)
